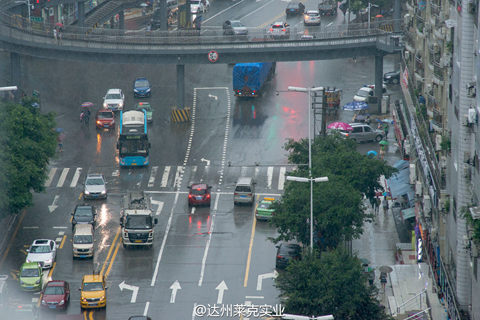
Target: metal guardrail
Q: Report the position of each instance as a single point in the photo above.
(15, 27)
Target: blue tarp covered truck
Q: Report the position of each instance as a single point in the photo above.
(249, 78)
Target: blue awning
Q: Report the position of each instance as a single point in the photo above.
(408, 213)
(399, 183)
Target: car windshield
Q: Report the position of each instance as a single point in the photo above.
(313, 14)
(236, 24)
(105, 115)
(145, 106)
(83, 212)
(30, 273)
(138, 222)
(94, 182)
(195, 2)
(264, 205)
(362, 93)
(198, 191)
(141, 83)
(54, 290)
(82, 239)
(40, 249)
(113, 96)
(92, 286)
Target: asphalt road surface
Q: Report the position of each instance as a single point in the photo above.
(220, 256)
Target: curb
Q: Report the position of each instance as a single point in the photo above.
(9, 223)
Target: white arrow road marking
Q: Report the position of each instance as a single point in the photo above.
(207, 161)
(116, 173)
(192, 211)
(75, 177)
(212, 96)
(134, 290)
(178, 177)
(51, 174)
(273, 274)
(53, 206)
(145, 311)
(166, 173)
(151, 180)
(269, 177)
(159, 206)
(175, 287)
(221, 289)
(281, 178)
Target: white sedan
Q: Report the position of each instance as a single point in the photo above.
(42, 251)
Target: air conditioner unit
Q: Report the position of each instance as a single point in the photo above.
(413, 173)
(472, 115)
(438, 142)
(467, 172)
(418, 188)
(471, 89)
(443, 162)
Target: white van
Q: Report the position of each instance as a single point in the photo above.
(244, 191)
(83, 241)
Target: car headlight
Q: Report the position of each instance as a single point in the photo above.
(38, 281)
(61, 302)
(103, 192)
(45, 302)
(87, 192)
(135, 90)
(120, 104)
(105, 104)
(28, 260)
(148, 90)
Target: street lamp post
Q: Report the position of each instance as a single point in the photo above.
(370, 5)
(27, 2)
(299, 179)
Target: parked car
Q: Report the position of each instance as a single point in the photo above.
(141, 88)
(311, 18)
(30, 276)
(55, 295)
(42, 251)
(199, 6)
(363, 94)
(279, 30)
(105, 119)
(114, 99)
(148, 109)
(234, 28)
(391, 77)
(287, 252)
(95, 187)
(294, 7)
(199, 194)
(362, 132)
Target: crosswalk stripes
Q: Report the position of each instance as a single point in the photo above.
(267, 177)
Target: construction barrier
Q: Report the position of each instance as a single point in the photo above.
(180, 115)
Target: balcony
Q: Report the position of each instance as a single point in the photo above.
(438, 72)
(434, 9)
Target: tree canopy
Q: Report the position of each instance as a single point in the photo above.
(330, 283)
(28, 140)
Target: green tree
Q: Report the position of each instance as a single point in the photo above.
(330, 283)
(28, 141)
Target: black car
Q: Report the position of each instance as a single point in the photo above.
(84, 214)
(294, 7)
(287, 252)
(391, 77)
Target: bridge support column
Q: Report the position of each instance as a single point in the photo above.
(15, 70)
(81, 13)
(379, 80)
(121, 20)
(180, 85)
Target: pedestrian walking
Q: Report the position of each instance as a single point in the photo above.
(382, 152)
(377, 205)
(60, 32)
(383, 280)
(385, 129)
(385, 204)
(55, 34)
(60, 138)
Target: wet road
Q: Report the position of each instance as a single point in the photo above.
(216, 254)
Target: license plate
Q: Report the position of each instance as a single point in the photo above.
(138, 241)
(199, 198)
(106, 125)
(134, 164)
(243, 196)
(93, 304)
(52, 307)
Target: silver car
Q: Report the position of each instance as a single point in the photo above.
(311, 18)
(42, 251)
(234, 28)
(362, 132)
(279, 30)
(95, 187)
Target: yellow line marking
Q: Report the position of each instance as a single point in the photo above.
(113, 258)
(110, 251)
(277, 18)
(63, 241)
(80, 196)
(26, 245)
(51, 270)
(252, 235)
(13, 238)
(71, 219)
(39, 301)
(90, 315)
(85, 314)
(14, 275)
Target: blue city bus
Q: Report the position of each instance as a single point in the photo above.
(133, 146)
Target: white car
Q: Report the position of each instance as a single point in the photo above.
(363, 94)
(95, 187)
(311, 18)
(42, 251)
(114, 100)
(197, 6)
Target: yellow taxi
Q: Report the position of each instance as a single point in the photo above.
(93, 292)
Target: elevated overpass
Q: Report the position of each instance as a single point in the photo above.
(20, 37)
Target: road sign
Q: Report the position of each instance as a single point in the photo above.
(212, 56)
(36, 19)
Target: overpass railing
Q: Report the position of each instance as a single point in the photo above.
(19, 28)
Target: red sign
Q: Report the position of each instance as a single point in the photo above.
(212, 56)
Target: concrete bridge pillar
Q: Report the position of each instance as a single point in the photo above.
(379, 80)
(180, 85)
(121, 20)
(81, 13)
(15, 70)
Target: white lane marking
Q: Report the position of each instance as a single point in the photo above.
(31, 227)
(116, 173)
(192, 174)
(174, 287)
(151, 180)
(61, 233)
(221, 290)
(207, 247)
(281, 178)
(214, 16)
(51, 174)
(130, 287)
(58, 239)
(63, 176)
(75, 178)
(59, 227)
(206, 160)
(145, 311)
(159, 206)
(194, 311)
(178, 177)
(269, 177)
(269, 275)
(193, 210)
(166, 173)
(53, 206)
(254, 297)
(259, 8)
(212, 96)
(243, 173)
